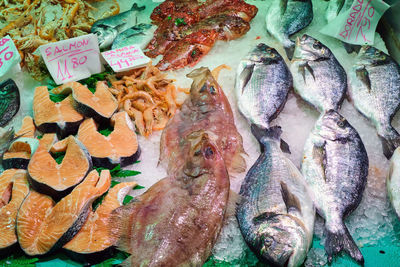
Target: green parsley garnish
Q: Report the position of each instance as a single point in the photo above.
(180, 21)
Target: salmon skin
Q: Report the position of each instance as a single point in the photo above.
(207, 109)
(177, 221)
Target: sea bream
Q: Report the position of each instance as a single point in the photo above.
(262, 85)
(108, 29)
(393, 181)
(317, 76)
(375, 91)
(335, 166)
(176, 221)
(286, 17)
(276, 213)
(206, 109)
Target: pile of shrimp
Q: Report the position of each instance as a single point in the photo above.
(148, 97)
(34, 23)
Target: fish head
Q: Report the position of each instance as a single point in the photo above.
(282, 239)
(205, 92)
(264, 54)
(333, 126)
(105, 34)
(203, 154)
(309, 48)
(370, 55)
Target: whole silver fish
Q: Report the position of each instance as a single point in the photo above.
(140, 34)
(107, 29)
(317, 76)
(335, 166)
(375, 91)
(275, 213)
(286, 17)
(393, 181)
(262, 84)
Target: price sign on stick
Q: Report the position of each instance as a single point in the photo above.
(125, 58)
(358, 24)
(9, 56)
(72, 59)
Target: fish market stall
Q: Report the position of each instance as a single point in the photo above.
(244, 136)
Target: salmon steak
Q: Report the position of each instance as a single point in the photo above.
(57, 180)
(44, 226)
(51, 117)
(206, 109)
(14, 188)
(119, 147)
(99, 105)
(177, 221)
(93, 243)
(19, 153)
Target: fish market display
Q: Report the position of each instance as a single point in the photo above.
(318, 77)
(276, 214)
(99, 105)
(140, 34)
(119, 147)
(262, 84)
(375, 91)
(149, 98)
(57, 180)
(9, 101)
(94, 237)
(118, 26)
(34, 23)
(393, 181)
(187, 30)
(51, 117)
(13, 189)
(177, 221)
(44, 226)
(335, 166)
(207, 109)
(286, 17)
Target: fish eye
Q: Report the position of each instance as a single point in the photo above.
(208, 152)
(317, 45)
(340, 124)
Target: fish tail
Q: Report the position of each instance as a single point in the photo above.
(289, 49)
(340, 239)
(390, 141)
(120, 226)
(135, 6)
(273, 133)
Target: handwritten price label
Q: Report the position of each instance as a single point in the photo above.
(125, 58)
(9, 56)
(358, 24)
(72, 59)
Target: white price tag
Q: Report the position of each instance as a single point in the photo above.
(9, 56)
(125, 58)
(72, 59)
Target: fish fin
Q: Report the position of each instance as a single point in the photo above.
(318, 154)
(285, 147)
(233, 200)
(136, 7)
(238, 164)
(389, 145)
(273, 133)
(340, 239)
(363, 75)
(303, 72)
(291, 201)
(308, 67)
(121, 226)
(289, 49)
(245, 76)
(350, 48)
(263, 217)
